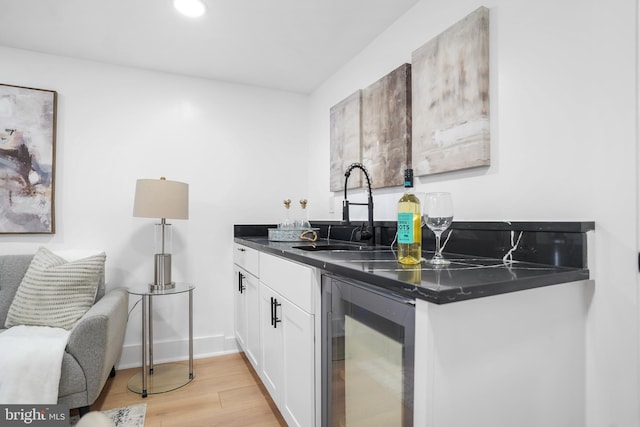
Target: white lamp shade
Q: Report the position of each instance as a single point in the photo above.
(160, 198)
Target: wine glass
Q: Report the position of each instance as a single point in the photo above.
(438, 213)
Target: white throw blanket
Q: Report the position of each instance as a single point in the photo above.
(30, 364)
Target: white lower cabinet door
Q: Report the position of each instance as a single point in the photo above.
(252, 306)
(271, 343)
(287, 357)
(298, 403)
(240, 301)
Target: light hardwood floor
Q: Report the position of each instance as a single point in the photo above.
(225, 392)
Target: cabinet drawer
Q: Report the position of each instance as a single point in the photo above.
(246, 258)
(290, 279)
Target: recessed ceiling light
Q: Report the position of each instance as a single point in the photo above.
(190, 8)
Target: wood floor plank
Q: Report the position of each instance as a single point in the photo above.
(244, 397)
(225, 392)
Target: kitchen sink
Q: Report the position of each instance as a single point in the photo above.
(335, 247)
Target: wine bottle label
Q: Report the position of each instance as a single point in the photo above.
(405, 228)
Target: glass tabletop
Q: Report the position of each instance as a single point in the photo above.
(146, 290)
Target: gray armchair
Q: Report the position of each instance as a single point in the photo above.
(95, 341)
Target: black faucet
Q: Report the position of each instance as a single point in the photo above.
(368, 232)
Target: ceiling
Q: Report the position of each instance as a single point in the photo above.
(291, 45)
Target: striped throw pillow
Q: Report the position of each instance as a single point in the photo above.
(55, 292)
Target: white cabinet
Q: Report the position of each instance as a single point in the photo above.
(271, 338)
(246, 258)
(246, 301)
(275, 325)
(240, 303)
(298, 399)
(288, 337)
(515, 359)
(249, 307)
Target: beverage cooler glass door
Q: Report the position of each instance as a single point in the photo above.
(368, 355)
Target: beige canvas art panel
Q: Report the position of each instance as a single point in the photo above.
(345, 129)
(386, 127)
(450, 93)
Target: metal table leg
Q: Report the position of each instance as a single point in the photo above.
(144, 345)
(191, 334)
(150, 335)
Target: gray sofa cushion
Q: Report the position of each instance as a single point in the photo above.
(12, 269)
(56, 292)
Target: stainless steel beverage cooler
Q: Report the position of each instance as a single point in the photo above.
(368, 335)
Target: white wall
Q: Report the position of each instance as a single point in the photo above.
(563, 135)
(238, 147)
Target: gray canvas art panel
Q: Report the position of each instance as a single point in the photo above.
(450, 96)
(345, 140)
(27, 156)
(386, 127)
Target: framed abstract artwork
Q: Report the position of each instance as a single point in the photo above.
(386, 127)
(27, 159)
(345, 140)
(450, 95)
(373, 126)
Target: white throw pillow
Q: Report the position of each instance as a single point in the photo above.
(55, 292)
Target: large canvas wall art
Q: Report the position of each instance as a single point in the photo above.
(27, 159)
(386, 127)
(450, 95)
(345, 140)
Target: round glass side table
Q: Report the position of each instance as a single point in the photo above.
(167, 376)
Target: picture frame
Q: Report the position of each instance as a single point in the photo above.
(27, 160)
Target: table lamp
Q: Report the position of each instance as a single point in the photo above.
(160, 198)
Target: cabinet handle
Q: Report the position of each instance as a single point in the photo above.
(241, 286)
(275, 304)
(272, 317)
(242, 249)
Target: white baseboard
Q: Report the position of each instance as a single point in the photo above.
(172, 351)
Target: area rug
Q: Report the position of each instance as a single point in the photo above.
(129, 416)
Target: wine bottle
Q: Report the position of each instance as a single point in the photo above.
(409, 224)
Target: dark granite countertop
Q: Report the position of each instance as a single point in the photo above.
(467, 277)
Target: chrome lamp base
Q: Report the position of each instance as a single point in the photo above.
(162, 273)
